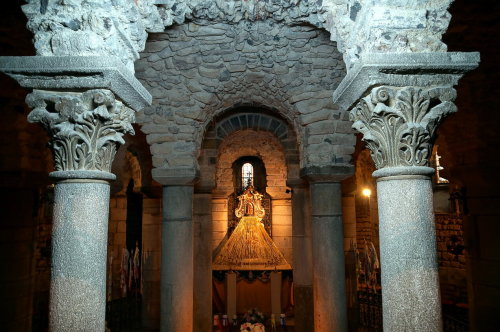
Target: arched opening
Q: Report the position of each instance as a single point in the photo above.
(257, 148)
(249, 170)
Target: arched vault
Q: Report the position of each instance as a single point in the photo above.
(196, 71)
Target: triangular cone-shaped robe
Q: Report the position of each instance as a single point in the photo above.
(250, 248)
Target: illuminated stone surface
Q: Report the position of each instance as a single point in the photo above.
(225, 53)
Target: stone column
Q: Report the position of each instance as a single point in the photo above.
(330, 311)
(176, 303)
(398, 124)
(177, 259)
(85, 130)
(397, 100)
(302, 257)
(203, 262)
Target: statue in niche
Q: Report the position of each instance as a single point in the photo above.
(249, 247)
(249, 204)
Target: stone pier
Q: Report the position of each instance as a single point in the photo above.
(177, 259)
(302, 258)
(330, 304)
(177, 267)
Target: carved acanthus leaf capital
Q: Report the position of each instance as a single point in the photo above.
(85, 129)
(399, 123)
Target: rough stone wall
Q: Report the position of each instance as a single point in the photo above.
(231, 11)
(119, 27)
(241, 119)
(207, 162)
(451, 258)
(219, 220)
(449, 232)
(282, 227)
(375, 26)
(92, 27)
(195, 71)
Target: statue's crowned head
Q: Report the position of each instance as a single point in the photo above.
(250, 204)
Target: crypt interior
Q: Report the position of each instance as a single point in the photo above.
(174, 165)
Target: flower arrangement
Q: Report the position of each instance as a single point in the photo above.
(253, 321)
(254, 316)
(257, 327)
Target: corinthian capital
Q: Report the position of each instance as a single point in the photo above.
(85, 129)
(399, 123)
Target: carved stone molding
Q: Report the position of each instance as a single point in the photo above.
(399, 123)
(77, 73)
(85, 129)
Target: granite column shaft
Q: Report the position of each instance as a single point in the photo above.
(302, 254)
(410, 276)
(79, 246)
(330, 312)
(177, 259)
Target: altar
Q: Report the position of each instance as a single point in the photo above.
(249, 270)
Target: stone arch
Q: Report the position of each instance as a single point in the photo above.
(135, 170)
(265, 146)
(126, 167)
(133, 161)
(256, 121)
(242, 118)
(196, 71)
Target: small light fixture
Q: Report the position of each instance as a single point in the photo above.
(366, 192)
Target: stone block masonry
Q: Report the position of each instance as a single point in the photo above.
(451, 258)
(197, 70)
